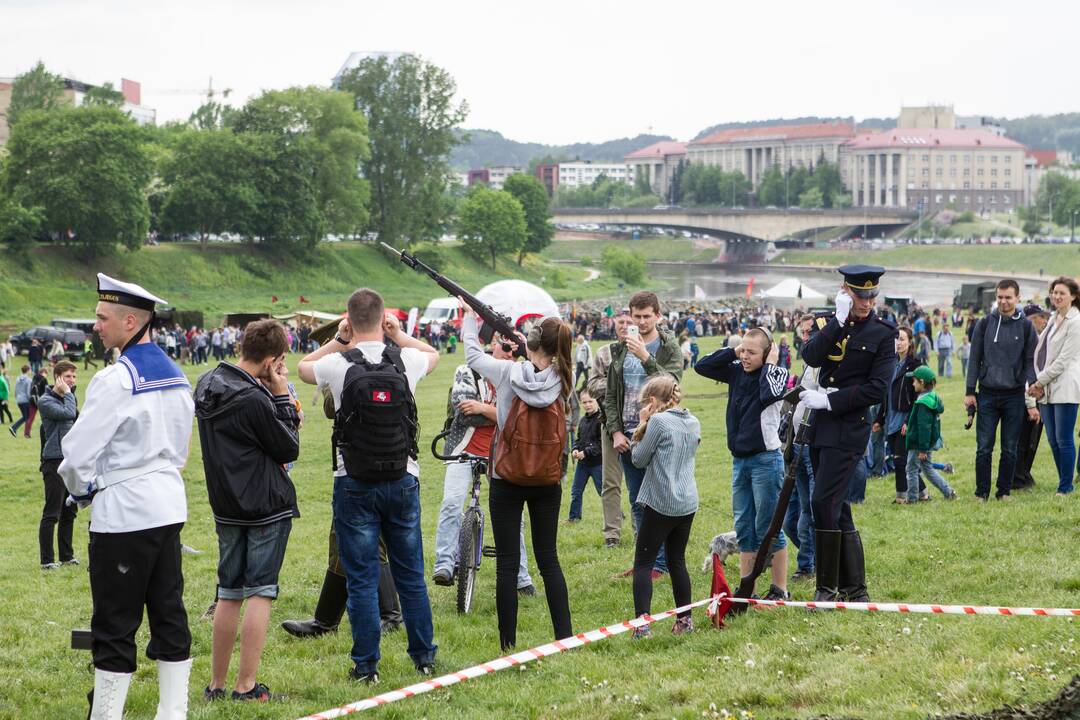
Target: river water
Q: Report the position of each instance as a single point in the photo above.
(926, 288)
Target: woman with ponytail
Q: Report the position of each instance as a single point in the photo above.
(544, 379)
(664, 445)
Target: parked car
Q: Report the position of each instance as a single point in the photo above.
(73, 339)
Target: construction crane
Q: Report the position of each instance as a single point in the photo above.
(209, 92)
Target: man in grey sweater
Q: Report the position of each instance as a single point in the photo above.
(58, 409)
(1000, 367)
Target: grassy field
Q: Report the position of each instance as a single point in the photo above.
(234, 278)
(652, 247)
(773, 664)
(1051, 260)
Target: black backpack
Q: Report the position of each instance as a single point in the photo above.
(376, 427)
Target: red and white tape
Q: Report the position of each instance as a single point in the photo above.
(904, 607)
(519, 658)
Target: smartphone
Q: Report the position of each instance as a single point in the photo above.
(632, 331)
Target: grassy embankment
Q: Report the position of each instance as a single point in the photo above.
(233, 278)
(1049, 260)
(775, 664)
(651, 247)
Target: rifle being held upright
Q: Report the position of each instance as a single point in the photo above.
(494, 321)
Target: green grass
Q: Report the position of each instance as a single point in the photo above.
(1051, 260)
(234, 278)
(651, 247)
(804, 665)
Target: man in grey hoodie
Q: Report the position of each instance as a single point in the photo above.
(1000, 367)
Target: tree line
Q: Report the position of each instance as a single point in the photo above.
(367, 158)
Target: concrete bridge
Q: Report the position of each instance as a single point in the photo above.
(752, 223)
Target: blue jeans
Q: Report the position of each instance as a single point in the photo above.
(944, 364)
(755, 489)
(1009, 409)
(1059, 419)
(926, 467)
(634, 477)
(363, 511)
(877, 453)
(582, 473)
(799, 522)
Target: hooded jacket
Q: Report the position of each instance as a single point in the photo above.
(1002, 354)
(247, 436)
(753, 411)
(58, 414)
(924, 423)
(1059, 373)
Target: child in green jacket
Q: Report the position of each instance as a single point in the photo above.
(924, 435)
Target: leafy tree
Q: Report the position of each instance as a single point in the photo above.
(641, 182)
(627, 265)
(827, 179)
(771, 189)
(37, 89)
(797, 182)
(811, 198)
(87, 169)
(676, 191)
(211, 184)
(18, 225)
(321, 130)
(212, 115)
(289, 217)
(104, 95)
(491, 222)
(533, 197)
(1058, 195)
(411, 115)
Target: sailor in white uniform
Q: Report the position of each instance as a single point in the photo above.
(123, 457)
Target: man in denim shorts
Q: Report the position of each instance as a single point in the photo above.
(248, 427)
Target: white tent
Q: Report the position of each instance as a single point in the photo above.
(792, 289)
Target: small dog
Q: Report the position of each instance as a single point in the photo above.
(725, 545)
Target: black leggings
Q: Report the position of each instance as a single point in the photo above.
(5, 410)
(658, 530)
(898, 450)
(506, 502)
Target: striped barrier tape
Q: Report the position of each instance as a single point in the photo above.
(509, 661)
(903, 607)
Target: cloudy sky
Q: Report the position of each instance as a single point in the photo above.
(562, 71)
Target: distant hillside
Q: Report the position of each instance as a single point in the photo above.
(880, 123)
(486, 148)
(1045, 132)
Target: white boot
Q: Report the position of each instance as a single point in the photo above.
(110, 692)
(173, 689)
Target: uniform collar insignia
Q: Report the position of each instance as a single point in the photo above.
(151, 369)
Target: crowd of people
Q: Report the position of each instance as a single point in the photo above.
(617, 413)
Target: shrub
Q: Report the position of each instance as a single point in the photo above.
(432, 254)
(627, 265)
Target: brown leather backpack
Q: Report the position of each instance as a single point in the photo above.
(528, 450)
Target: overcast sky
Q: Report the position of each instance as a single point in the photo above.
(563, 71)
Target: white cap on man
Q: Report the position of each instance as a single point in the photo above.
(116, 291)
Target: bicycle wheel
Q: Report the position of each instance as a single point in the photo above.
(468, 540)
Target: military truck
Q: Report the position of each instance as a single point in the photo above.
(978, 296)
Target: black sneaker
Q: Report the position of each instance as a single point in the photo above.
(801, 575)
(258, 693)
(426, 669)
(776, 593)
(12, 431)
(612, 543)
(212, 695)
(388, 626)
(527, 591)
(71, 561)
(368, 678)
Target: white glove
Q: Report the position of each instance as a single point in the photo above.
(815, 400)
(843, 306)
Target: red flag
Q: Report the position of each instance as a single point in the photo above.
(303, 299)
(273, 298)
(749, 288)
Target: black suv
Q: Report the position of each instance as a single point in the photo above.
(73, 340)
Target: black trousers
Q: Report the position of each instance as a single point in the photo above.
(1026, 448)
(506, 502)
(898, 450)
(127, 572)
(56, 512)
(833, 469)
(5, 411)
(655, 530)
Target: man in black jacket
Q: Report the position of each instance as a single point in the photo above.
(1001, 365)
(58, 409)
(248, 431)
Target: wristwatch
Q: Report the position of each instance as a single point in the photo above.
(341, 340)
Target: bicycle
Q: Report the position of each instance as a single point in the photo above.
(471, 548)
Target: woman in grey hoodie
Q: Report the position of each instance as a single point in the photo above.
(545, 378)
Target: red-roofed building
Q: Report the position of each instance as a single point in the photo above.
(657, 163)
(934, 168)
(753, 150)
(1043, 158)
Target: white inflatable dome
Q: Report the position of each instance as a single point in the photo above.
(518, 300)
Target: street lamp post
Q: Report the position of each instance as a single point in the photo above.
(1072, 232)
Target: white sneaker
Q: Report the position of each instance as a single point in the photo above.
(110, 693)
(173, 689)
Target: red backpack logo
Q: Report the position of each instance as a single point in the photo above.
(380, 396)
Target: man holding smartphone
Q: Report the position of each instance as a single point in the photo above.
(646, 351)
(248, 428)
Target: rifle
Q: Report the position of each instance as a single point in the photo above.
(496, 321)
(794, 433)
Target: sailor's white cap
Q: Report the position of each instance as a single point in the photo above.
(125, 293)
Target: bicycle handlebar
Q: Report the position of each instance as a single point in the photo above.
(459, 458)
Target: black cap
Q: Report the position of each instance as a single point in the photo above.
(862, 279)
(1033, 309)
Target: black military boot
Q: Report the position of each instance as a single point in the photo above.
(852, 569)
(328, 611)
(389, 607)
(827, 562)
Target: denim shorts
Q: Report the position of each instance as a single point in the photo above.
(249, 559)
(755, 490)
